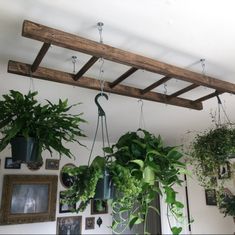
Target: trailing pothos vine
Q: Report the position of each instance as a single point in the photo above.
(141, 167)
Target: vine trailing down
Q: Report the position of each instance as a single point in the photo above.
(140, 167)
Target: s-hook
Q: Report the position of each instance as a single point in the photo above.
(100, 110)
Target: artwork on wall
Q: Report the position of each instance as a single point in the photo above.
(99, 207)
(64, 208)
(90, 223)
(28, 198)
(65, 179)
(210, 197)
(224, 171)
(9, 164)
(52, 164)
(69, 225)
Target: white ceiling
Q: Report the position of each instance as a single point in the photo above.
(180, 32)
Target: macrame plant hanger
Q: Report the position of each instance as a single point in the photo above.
(104, 188)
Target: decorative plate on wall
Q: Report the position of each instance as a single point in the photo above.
(65, 179)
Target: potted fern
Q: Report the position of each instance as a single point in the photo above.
(141, 167)
(31, 127)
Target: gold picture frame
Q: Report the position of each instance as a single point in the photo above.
(28, 198)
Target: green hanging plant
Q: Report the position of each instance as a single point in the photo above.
(50, 125)
(141, 167)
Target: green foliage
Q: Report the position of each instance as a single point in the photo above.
(138, 166)
(227, 205)
(50, 124)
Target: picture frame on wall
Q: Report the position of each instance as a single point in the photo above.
(224, 171)
(65, 208)
(52, 164)
(210, 197)
(69, 225)
(89, 223)
(9, 164)
(99, 207)
(28, 198)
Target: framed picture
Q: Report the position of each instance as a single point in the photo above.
(224, 171)
(69, 225)
(99, 207)
(65, 208)
(210, 197)
(90, 223)
(28, 198)
(52, 164)
(65, 179)
(9, 164)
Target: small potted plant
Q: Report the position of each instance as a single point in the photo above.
(138, 167)
(31, 127)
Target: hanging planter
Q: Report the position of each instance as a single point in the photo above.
(24, 150)
(31, 127)
(105, 188)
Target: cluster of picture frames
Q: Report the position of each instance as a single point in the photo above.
(224, 172)
(32, 198)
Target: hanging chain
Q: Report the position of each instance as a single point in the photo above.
(74, 60)
(101, 60)
(220, 106)
(31, 81)
(141, 118)
(203, 64)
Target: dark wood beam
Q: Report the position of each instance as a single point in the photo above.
(40, 56)
(66, 78)
(184, 90)
(123, 77)
(155, 84)
(206, 97)
(74, 42)
(91, 61)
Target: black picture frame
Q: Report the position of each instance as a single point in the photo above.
(224, 171)
(65, 179)
(210, 197)
(89, 223)
(69, 225)
(99, 207)
(52, 164)
(65, 208)
(9, 164)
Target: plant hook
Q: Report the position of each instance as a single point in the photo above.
(100, 110)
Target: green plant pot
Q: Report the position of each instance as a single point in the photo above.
(105, 187)
(24, 150)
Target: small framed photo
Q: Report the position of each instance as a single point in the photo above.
(211, 197)
(69, 225)
(9, 164)
(90, 223)
(99, 207)
(52, 164)
(224, 171)
(65, 208)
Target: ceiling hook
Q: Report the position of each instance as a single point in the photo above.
(100, 110)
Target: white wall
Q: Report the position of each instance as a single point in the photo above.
(81, 154)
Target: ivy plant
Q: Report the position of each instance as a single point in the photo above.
(141, 167)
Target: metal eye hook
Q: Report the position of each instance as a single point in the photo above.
(100, 110)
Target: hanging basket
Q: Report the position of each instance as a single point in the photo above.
(24, 150)
(105, 187)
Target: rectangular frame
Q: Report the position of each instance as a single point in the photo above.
(210, 197)
(99, 209)
(28, 198)
(89, 223)
(52, 164)
(9, 164)
(64, 208)
(69, 225)
(224, 171)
